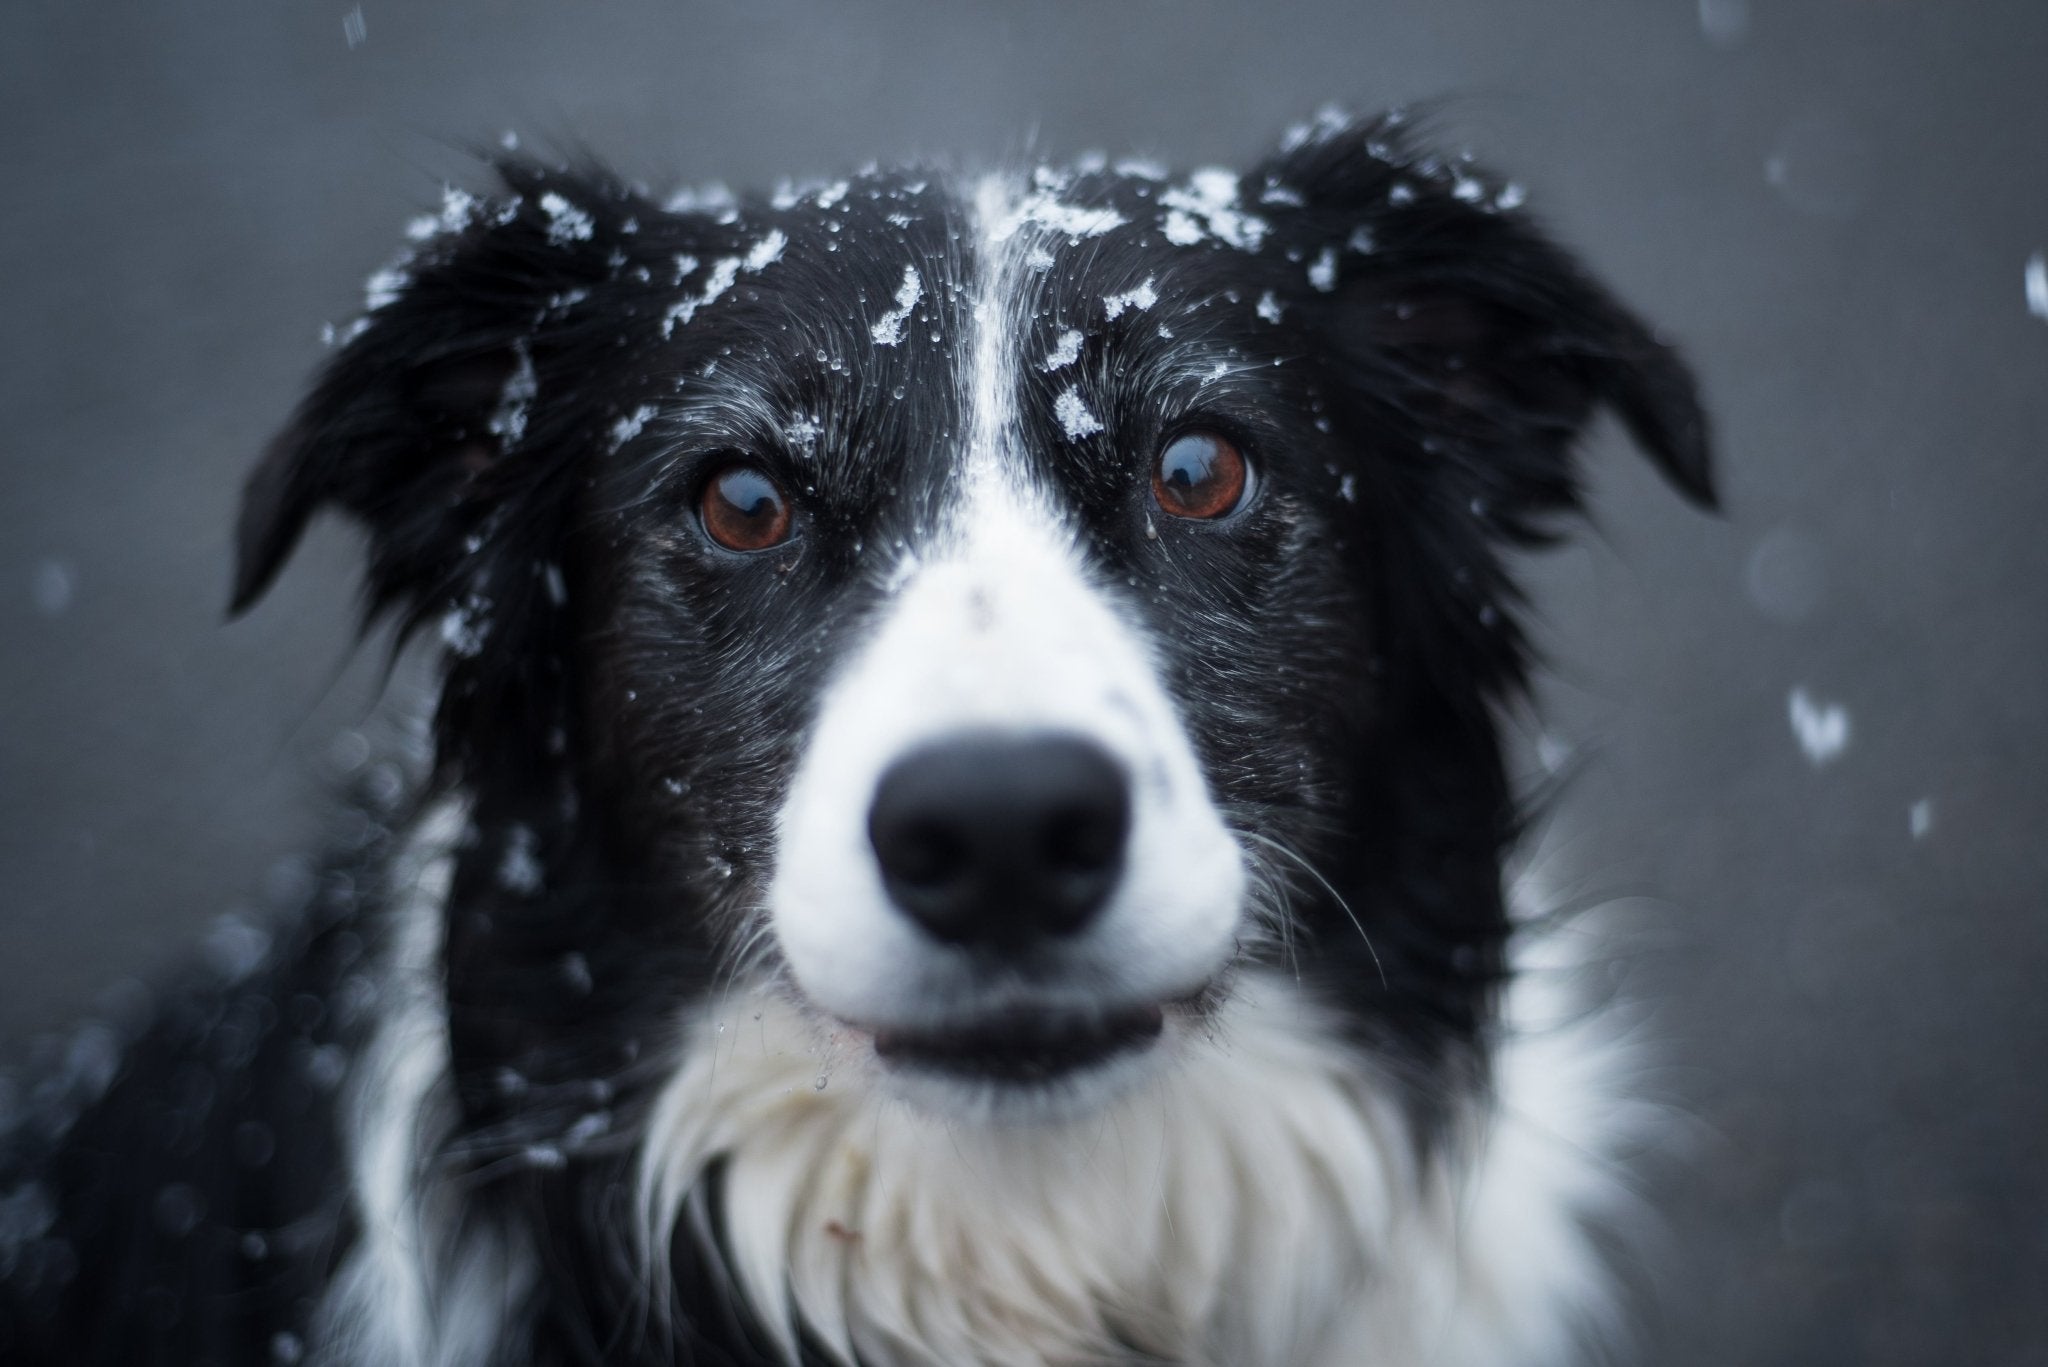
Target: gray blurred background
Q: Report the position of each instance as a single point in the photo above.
(1831, 203)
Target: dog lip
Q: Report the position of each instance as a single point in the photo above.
(1021, 1045)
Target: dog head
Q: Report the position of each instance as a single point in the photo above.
(999, 612)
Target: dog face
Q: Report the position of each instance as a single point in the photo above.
(999, 614)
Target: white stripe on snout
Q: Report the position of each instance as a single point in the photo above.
(996, 626)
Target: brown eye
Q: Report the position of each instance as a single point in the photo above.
(1200, 475)
(743, 509)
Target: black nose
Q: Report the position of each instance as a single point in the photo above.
(1000, 840)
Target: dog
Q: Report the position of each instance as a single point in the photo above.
(966, 819)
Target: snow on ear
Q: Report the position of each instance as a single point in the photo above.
(1497, 337)
(443, 375)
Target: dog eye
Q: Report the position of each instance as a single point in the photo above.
(743, 509)
(1201, 475)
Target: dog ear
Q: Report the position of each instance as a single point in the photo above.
(1485, 340)
(413, 427)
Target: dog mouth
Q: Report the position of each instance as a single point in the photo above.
(1020, 1048)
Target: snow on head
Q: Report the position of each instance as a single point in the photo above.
(1821, 728)
(458, 207)
(1322, 272)
(888, 329)
(767, 251)
(1074, 416)
(384, 287)
(566, 222)
(1043, 208)
(1065, 351)
(1143, 297)
(508, 419)
(629, 427)
(720, 278)
(1207, 207)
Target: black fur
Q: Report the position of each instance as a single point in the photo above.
(623, 701)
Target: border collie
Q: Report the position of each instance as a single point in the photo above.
(967, 815)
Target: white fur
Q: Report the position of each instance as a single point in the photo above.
(422, 1287)
(1259, 1203)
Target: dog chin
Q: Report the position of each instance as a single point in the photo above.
(1021, 1067)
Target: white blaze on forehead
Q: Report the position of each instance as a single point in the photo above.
(994, 624)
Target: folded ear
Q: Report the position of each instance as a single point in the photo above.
(410, 427)
(1481, 333)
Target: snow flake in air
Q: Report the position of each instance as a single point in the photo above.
(1821, 728)
(2037, 286)
(1269, 307)
(1920, 818)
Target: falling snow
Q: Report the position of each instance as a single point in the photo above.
(1822, 728)
(2037, 286)
(52, 587)
(1268, 307)
(1074, 415)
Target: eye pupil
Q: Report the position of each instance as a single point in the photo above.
(743, 509)
(1200, 475)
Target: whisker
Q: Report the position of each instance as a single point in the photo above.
(1335, 896)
